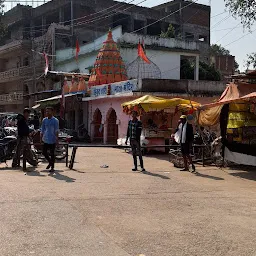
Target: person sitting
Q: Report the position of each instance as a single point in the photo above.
(164, 126)
(151, 125)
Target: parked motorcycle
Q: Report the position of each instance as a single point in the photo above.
(60, 151)
(7, 147)
(81, 134)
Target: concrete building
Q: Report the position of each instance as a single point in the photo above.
(56, 25)
(225, 64)
(165, 53)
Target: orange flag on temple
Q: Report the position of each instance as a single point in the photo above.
(142, 54)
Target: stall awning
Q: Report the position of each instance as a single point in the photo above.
(149, 102)
(55, 100)
(210, 113)
(36, 106)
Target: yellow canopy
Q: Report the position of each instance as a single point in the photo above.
(149, 102)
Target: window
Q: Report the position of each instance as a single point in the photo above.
(26, 61)
(189, 36)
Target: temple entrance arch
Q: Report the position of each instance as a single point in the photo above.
(98, 126)
(112, 127)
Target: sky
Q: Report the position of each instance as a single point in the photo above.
(225, 29)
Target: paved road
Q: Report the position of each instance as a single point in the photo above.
(114, 212)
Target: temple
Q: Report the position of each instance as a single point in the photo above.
(109, 66)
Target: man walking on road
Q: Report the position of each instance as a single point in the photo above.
(49, 136)
(185, 136)
(23, 133)
(134, 132)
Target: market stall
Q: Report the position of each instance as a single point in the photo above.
(157, 116)
(236, 114)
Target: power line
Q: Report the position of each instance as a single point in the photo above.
(223, 29)
(219, 22)
(165, 16)
(239, 38)
(228, 32)
(92, 14)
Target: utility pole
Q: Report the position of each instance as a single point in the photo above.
(53, 48)
(72, 17)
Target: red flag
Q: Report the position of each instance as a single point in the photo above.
(142, 54)
(143, 45)
(46, 63)
(77, 49)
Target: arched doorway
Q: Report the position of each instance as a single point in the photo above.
(98, 126)
(112, 134)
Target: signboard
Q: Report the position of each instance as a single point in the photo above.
(115, 88)
(101, 90)
(124, 87)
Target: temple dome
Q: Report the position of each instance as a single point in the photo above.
(139, 69)
(109, 66)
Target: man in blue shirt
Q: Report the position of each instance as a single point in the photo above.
(49, 136)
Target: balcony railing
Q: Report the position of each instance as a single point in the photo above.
(11, 98)
(18, 73)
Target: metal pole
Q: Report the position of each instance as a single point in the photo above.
(72, 17)
(53, 48)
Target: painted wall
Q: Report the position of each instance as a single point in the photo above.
(104, 105)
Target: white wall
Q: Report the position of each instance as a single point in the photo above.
(168, 62)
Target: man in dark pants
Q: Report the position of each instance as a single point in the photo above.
(23, 133)
(185, 139)
(134, 132)
(49, 136)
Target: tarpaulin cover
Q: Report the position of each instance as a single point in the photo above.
(210, 113)
(149, 102)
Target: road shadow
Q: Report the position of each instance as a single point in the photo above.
(75, 170)
(208, 176)
(58, 176)
(248, 175)
(155, 175)
(32, 172)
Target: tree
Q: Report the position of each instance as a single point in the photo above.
(251, 60)
(244, 9)
(206, 72)
(217, 49)
(170, 33)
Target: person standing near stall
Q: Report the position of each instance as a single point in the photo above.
(185, 136)
(133, 133)
(49, 136)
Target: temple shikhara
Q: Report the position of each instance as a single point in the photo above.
(109, 66)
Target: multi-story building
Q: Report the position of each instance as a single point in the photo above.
(225, 64)
(57, 24)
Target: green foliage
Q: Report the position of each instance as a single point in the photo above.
(206, 72)
(170, 33)
(244, 9)
(217, 49)
(251, 60)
